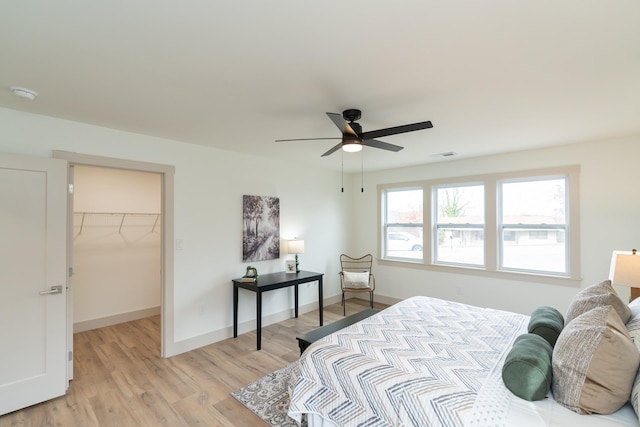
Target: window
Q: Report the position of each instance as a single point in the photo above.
(459, 225)
(403, 224)
(522, 223)
(533, 213)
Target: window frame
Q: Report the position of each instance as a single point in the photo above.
(536, 227)
(454, 226)
(492, 240)
(386, 226)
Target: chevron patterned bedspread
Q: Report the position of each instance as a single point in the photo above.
(420, 362)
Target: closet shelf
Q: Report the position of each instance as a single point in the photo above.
(124, 215)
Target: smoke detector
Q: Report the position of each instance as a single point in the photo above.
(24, 93)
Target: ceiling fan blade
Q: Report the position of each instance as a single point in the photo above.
(333, 150)
(304, 139)
(341, 123)
(383, 145)
(396, 130)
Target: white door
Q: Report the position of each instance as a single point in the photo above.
(33, 332)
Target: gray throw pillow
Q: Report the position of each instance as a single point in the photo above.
(597, 295)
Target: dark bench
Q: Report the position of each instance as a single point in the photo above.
(307, 339)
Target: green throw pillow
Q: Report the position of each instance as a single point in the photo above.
(527, 369)
(546, 322)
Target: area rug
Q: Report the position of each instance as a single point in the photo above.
(268, 397)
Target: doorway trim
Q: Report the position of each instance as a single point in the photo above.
(167, 194)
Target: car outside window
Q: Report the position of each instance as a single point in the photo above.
(403, 224)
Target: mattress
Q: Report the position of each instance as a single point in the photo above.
(424, 362)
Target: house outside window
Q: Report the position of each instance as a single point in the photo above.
(459, 225)
(533, 213)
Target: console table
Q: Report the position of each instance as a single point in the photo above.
(269, 282)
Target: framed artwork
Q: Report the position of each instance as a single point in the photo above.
(261, 228)
(290, 266)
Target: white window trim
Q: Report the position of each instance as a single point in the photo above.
(491, 223)
(434, 221)
(382, 241)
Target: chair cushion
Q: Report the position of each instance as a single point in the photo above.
(546, 322)
(597, 295)
(355, 280)
(594, 363)
(527, 368)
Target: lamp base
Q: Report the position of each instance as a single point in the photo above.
(297, 265)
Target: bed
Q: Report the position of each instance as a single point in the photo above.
(423, 362)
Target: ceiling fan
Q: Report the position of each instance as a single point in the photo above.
(353, 139)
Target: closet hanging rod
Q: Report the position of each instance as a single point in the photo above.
(116, 213)
(124, 214)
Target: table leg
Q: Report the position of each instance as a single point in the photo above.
(259, 319)
(235, 311)
(295, 297)
(320, 298)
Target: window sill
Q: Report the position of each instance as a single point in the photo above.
(479, 272)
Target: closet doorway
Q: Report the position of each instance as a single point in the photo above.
(120, 243)
(117, 224)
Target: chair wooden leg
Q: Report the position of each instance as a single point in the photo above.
(371, 298)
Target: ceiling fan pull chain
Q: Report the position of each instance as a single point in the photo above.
(362, 171)
(342, 178)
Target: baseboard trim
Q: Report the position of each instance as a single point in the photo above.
(101, 322)
(243, 327)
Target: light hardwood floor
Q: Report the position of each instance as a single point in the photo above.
(120, 380)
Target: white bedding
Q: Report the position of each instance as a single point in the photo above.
(389, 369)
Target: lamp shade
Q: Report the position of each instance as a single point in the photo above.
(296, 246)
(625, 269)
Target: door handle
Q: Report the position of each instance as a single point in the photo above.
(52, 290)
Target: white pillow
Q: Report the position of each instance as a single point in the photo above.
(633, 327)
(355, 280)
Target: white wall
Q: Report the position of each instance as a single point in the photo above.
(609, 210)
(209, 185)
(117, 257)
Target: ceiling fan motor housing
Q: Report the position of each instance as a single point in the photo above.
(351, 114)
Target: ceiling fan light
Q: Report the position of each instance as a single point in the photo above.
(351, 147)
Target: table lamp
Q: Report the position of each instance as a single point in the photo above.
(296, 247)
(625, 271)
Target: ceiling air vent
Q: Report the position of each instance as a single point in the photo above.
(445, 154)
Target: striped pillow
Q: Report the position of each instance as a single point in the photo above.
(597, 295)
(633, 326)
(594, 363)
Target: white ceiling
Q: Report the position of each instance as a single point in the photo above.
(492, 76)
